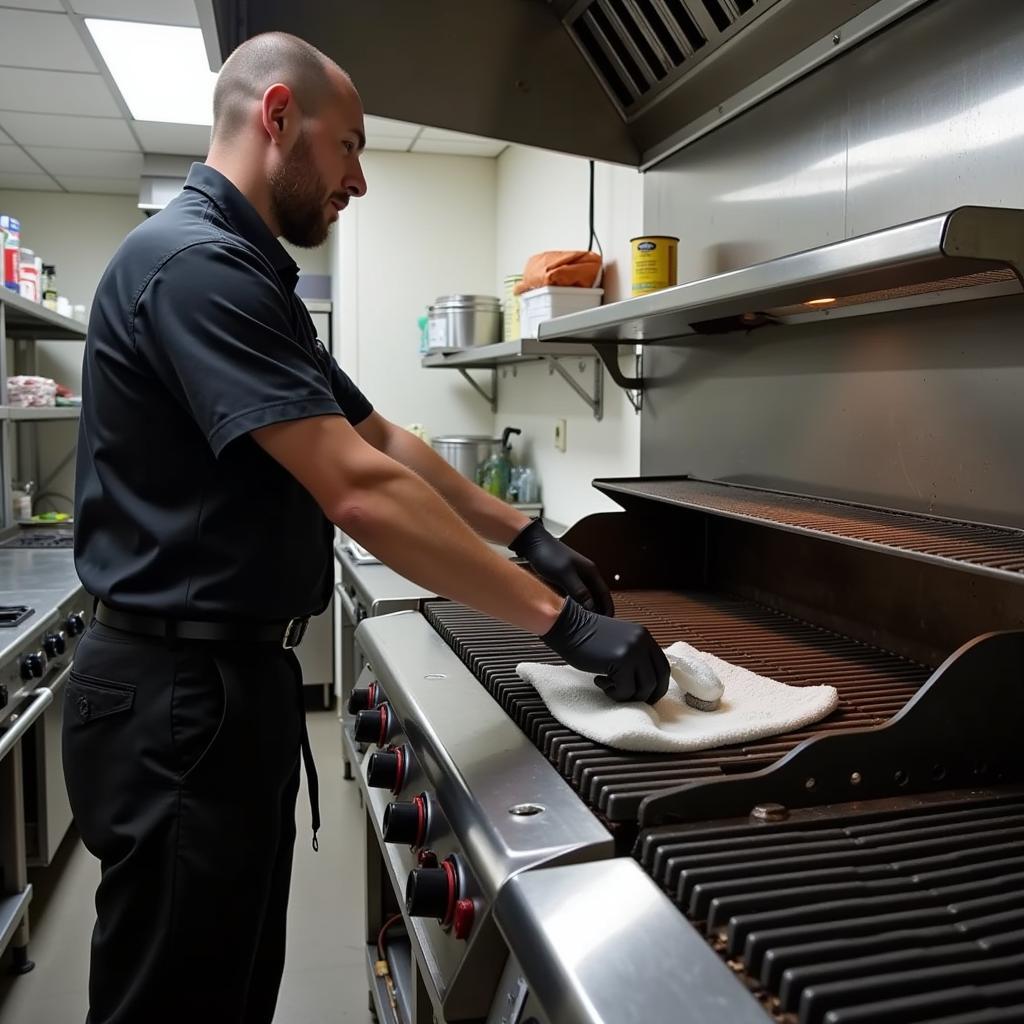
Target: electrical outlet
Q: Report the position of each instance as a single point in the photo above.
(560, 435)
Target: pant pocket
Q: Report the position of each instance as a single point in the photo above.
(199, 705)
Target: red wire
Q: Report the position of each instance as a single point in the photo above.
(394, 919)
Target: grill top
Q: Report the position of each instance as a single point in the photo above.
(873, 685)
(990, 550)
(911, 911)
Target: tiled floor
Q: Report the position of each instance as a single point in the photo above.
(325, 976)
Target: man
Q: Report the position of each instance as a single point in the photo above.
(219, 444)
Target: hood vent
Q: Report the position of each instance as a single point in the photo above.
(973, 252)
(628, 81)
(637, 47)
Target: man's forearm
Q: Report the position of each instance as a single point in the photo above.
(410, 528)
(491, 518)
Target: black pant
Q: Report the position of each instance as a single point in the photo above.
(182, 763)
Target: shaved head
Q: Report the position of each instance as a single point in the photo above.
(258, 64)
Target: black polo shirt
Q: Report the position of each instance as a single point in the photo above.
(196, 338)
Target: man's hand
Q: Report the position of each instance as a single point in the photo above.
(564, 568)
(627, 661)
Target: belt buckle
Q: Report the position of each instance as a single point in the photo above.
(294, 631)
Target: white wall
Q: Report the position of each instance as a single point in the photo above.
(79, 233)
(542, 204)
(425, 228)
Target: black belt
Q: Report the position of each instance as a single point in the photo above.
(288, 633)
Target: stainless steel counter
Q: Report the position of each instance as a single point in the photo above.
(42, 579)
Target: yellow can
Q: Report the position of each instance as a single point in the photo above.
(654, 262)
(513, 328)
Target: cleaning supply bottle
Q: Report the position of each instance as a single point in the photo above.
(496, 471)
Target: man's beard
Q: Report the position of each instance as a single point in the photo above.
(297, 198)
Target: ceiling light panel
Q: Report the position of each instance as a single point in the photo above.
(161, 70)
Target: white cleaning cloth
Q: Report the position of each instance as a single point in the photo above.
(752, 707)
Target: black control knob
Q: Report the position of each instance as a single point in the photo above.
(372, 726)
(3, 696)
(405, 823)
(54, 644)
(33, 665)
(385, 769)
(365, 699)
(75, 623)
(429, 892)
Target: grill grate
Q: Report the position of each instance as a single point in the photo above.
(897, 916)
(992, 550)
(873, 685)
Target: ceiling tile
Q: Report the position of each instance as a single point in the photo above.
(36, 5)
(444, 133)
(106, 186)
(160, 12)
(380, 142)
(15, 160)
(70, 132)
(55, 92)
(179, 139)
(385, 126)
(35, 40)
(32, 182)
(454, 148)
(5, 138)
(96, 163)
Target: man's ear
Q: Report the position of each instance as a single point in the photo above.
(276, 110)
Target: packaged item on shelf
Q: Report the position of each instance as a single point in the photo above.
(21, 500)
(28, 276)
(512, 331)
(10, 250)
(27, 391)
(654, 263)
(546, 303)
(78, 312)
(48, 286)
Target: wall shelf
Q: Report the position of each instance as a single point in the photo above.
(40, 412)
(513, 353)
(25, 319)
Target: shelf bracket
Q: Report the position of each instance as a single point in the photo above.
(608, 353)
(594, 401)
(490, 398)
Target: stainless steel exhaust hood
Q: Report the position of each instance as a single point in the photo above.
(973, 252)
(627, 81)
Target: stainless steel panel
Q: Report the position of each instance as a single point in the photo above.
(379, 589)
(920, 409)
(53, 811)
(476, 760)
(935, 114)
(601, 944)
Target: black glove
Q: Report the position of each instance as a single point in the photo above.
(563, 568)
(628, 663)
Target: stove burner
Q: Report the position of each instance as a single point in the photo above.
(41, 539)
(13, 614)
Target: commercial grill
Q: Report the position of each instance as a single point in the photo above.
(846, 872)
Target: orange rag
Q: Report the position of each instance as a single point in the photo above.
(564, 268)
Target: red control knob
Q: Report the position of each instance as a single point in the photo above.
(365, 700)
(373, 726)
(406, 823)
(386, 769)
(462, 919)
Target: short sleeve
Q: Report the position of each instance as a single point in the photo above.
(354, 404)
(216, 327)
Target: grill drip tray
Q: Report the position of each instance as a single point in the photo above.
(44, 538)
(885, 912)
(873, 686)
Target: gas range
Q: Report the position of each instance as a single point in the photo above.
(901, 795)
